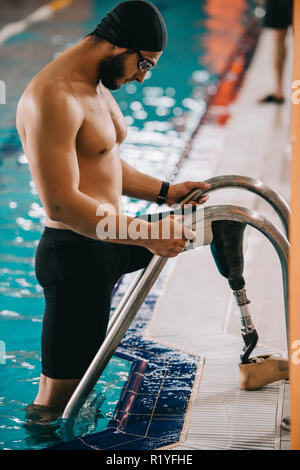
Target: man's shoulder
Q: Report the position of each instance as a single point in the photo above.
(49, 104)
(49, 91)
(50, 95)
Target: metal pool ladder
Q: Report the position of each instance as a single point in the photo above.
(145, 278)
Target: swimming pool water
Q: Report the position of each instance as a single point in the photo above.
(19, 429)
(154, 110)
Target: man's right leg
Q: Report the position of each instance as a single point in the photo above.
(77, 275)
(55, 393)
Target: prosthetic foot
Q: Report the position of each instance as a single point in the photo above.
(263, 370)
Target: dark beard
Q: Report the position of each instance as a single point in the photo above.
(112, 69)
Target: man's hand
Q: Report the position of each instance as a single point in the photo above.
(178, 237)
(177, 191)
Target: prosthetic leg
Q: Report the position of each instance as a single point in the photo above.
(227, 250)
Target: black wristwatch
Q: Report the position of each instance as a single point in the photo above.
(161, 199)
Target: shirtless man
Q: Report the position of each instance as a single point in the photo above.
(71, 129)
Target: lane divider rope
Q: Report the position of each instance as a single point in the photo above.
(43, 13)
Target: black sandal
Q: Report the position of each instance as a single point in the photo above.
(271, 99)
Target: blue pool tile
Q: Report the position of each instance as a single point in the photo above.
(182, 369)
(132, 443)
(154, 372)
(152, 405)
(134, 381)
(176, 384)
(171, 404)
(147, 444)
(149, 386)
(74, 442)
(139, 404)
(116, 441)
(107, 439)
(166, 428)
(136, 424)
(152, 381)
(144, 404)
(125, 404)
(71, 445)
(113, 440)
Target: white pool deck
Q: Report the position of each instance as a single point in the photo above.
(196, 311)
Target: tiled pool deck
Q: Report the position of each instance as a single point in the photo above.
(152, 407)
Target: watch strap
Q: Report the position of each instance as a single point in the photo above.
(161, 199)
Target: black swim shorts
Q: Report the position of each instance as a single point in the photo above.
(78, 275)
(279, 14)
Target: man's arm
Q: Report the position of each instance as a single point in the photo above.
(51, 133)
(142, 186)
(139, 185)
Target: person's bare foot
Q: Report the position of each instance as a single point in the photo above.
(39, 414)
(41, 425)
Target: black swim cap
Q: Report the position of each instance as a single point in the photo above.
(135, 24)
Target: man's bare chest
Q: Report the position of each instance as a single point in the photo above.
(103, 126)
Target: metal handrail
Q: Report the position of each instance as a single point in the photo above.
(221, 182)
(146, 281)
(250, 184)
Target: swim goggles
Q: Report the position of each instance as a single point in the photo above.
(144, 64)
